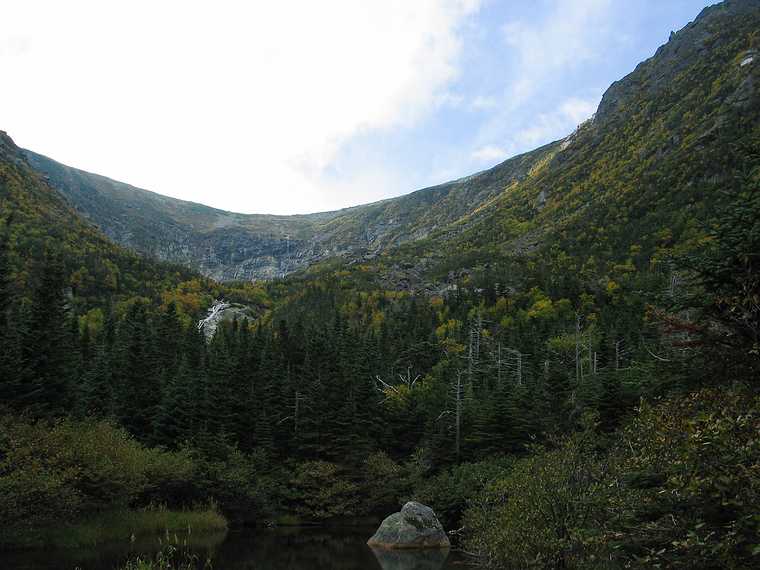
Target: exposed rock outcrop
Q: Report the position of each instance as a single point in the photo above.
(221, 311)
(416, 526)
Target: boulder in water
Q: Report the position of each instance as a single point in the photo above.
(416, 526)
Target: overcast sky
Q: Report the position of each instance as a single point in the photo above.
(301, 106)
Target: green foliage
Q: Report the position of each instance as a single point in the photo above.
(320, 491)
(245, 486)
(55, 471)
(676, 488)
(384, 482)
(539, 514)
(725, 275)
(451, 491)
(687, 481)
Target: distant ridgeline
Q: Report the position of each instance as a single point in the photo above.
(597, 296)
(639, 173)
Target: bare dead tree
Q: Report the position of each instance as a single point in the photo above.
(457, 399)
(514, 363)
(619, 348)
(498, 366)
(578, 364)
(474, 347)
(389, 390)
(298, 397)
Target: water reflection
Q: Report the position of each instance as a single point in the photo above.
(106, 556)
(259, 549)
(427, 559)
(297, 549)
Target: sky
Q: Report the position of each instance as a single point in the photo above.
(286, 107)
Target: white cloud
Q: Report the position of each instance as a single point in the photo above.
(544, 51)
(577, 110)
(238, 104)
(556, 124)
(489, 153)
(570, 35)
(484, 103)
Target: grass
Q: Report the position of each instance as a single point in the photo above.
(118, 526)
(174, 555)
(288, 520)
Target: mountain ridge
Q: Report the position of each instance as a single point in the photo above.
(692, 97)
(228, 246)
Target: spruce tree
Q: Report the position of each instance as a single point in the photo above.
(136, 372)
(46, 345)
(8, 354)
(176, 416)
(96, 395)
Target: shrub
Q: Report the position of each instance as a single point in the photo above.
(678, 489)
(57, 471)
(319, 491)
(540, 513)
(244, 485)
(451, 491)
(383, 485)
(688, 475)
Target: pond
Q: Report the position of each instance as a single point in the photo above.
(284, 548)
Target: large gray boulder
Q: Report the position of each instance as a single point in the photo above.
(416, 526)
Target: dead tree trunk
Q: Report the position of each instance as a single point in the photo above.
(458, 414)
(498, 366)
(578, 364)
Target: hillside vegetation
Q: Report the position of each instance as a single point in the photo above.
(559, 355)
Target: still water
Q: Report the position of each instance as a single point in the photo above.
(255, 549)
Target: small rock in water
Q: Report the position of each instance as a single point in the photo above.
(416, 526)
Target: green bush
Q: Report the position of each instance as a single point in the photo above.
(384, 482)
(319, 491)
(687, 475)
(61, 470)
(244, 485)
(450, 492)
(678, 488)
(36, 485)
(540, 514)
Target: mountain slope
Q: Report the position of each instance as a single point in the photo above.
(670, 141)
(226, 245)
(643, 172)
(37, 222)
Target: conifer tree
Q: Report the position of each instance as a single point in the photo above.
(136, 372)
(45, 387)
(176, 417)
(8, 355)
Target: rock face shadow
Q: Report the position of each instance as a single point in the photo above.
(398, 559)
